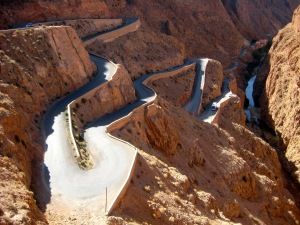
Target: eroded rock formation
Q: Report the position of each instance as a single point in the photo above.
(280, 97)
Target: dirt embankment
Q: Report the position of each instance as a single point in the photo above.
(279, 101)
(191, 172)
(37, 66)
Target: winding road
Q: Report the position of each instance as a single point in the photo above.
(113, 158)
(98, 189)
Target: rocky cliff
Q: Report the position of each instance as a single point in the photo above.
(191, 172)
(280, 96)
(37, 66)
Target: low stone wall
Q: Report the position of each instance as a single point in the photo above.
(86, 27)
(112, 35)
(77, 142)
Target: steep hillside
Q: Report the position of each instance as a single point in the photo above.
(36, 67)
(280, 98)
(190, 172)
(204, 27)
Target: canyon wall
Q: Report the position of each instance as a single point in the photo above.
(37, 66)
(280, 97)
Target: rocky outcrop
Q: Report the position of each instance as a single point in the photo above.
(142, 52)
(37, 66)
(213, 81)
(260, 19)
(20, 12)
(280, 98)
(204, 174)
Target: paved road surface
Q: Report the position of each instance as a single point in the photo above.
(194, 105)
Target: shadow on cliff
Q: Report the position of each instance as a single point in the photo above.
(268, 132)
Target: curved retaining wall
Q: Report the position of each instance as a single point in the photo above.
(112, 35)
